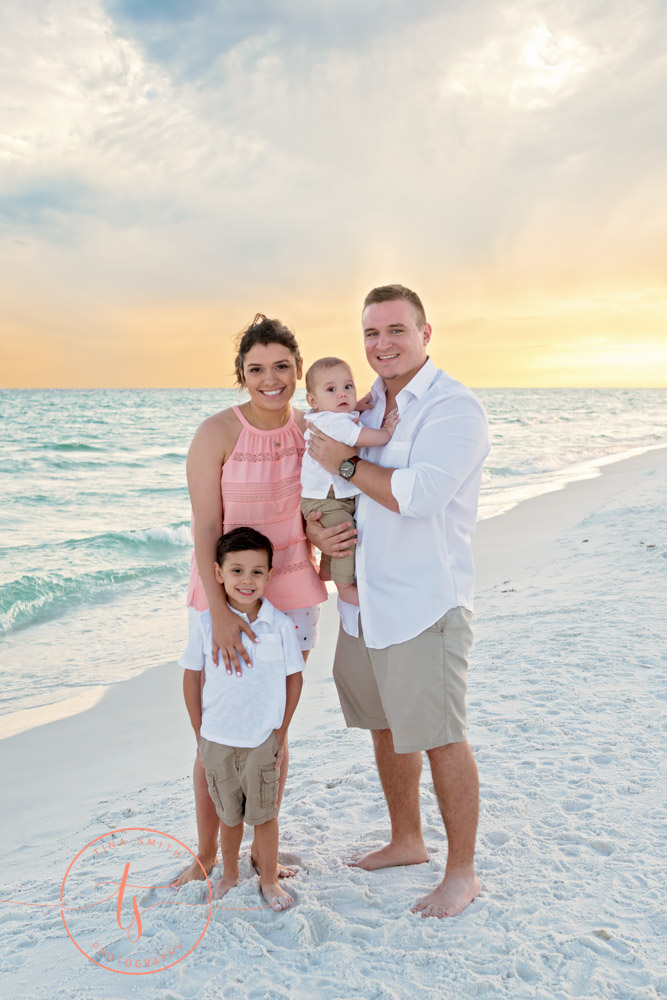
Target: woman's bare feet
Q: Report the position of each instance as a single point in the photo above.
(390, 856)
(194, 873)
(276, 897)
(456, 891)
(281, 871)
(224, 884)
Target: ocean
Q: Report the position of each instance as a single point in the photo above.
(94, 525)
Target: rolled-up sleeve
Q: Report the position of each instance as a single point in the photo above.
(449, 447)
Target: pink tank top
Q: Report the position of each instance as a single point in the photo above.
(261, 488)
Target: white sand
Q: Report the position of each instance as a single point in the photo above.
(566, 714)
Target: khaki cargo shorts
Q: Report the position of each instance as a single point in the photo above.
(242, 781)
(334, 511)
(415, 688)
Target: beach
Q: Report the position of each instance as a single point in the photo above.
(566, 719)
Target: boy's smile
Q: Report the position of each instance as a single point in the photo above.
(244, 576)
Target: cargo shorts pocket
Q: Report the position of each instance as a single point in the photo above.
(268, 786)
(213, 791)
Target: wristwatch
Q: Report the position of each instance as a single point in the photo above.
(348, 467)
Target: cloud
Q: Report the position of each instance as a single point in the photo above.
(170, 149)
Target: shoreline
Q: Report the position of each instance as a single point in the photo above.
(566, 699)
(522, 513)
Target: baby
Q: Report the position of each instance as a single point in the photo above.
(332, 396)
(241, 722)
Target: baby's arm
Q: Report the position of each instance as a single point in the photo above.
(371, 438)
(192, 695)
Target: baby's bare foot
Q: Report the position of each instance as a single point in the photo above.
(194, 873)
(456, 891)
(224, 884)
(276, 897)
(390, 856)
(349, 594)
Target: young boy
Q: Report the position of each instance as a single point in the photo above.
(332, 396)
(241, 721)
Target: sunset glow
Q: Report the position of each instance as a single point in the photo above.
(169, 169)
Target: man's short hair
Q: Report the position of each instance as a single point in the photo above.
(243, 540)
(322, 364)
(392, 293)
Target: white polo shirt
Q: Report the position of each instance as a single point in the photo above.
(242, 711)
(413, 566)
(315, 480)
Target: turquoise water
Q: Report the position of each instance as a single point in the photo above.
(94, 524)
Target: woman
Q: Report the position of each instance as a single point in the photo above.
(244, 468)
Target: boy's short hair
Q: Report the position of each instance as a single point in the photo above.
(395, 293)
(323, 364)
(243, 540)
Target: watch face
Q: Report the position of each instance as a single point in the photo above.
(346, 469)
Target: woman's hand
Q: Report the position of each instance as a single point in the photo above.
(336, 541)
(227, 630)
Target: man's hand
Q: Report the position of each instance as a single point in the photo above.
(327, 451)
(227, 629)
(336, 541)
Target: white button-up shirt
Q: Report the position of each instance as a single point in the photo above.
(315, 480)
(242, 711)
(413, 566)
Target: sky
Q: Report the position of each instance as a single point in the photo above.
(168, 168)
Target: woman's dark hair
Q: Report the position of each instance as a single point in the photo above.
(243, 540)
(264, 331)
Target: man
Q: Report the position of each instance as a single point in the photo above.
(400, 665)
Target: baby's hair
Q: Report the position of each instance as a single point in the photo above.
(243, 540)
(323, 365)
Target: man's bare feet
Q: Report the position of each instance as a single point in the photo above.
(224, 884)
(456, 891)
(390, 856)
(194, 873)
(276, 897)
(281, 871)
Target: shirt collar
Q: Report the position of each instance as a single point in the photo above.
(417, 385)
(265, 613)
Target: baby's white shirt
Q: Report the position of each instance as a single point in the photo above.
(315, 480)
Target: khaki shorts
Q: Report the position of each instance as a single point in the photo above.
(242, 781)
(334, 511)
(415, 688)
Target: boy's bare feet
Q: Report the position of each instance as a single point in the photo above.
(456, 891)
(224, 884)
(194, 873)
(281, 872)
(390, 856)
(349, 594)
(276, 897)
